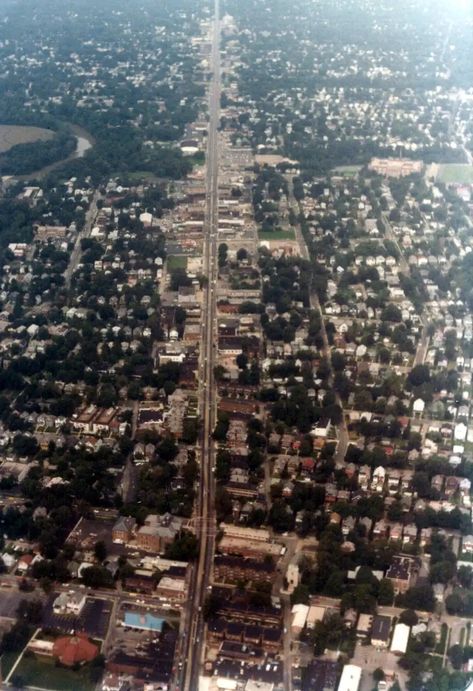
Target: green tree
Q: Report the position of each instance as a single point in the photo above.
(100, 550)
(300, 594)
(190, 430)
(222, 254)
(386, 592)
(97, 577)
(378, 674)
(409, 617)
(185, 547)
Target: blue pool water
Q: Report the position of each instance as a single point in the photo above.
(143, 620)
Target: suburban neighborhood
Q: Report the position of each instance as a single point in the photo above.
(236, 347)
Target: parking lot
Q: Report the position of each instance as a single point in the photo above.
(10, 599)
(153, 651)
(370, 658)
(131, 641)
(93, 620)
(89, 531)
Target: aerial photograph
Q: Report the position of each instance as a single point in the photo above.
(236, 345)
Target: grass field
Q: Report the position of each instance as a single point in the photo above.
(138, 176)
(346, 170)
(176, 262)
(8, 660)
(277, 235)
(11, 135)
(455, 172)
(45, 675)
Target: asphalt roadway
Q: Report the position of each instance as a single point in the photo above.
(192, 646)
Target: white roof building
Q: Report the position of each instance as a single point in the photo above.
(460, 432)
(400, 639)
(350, 679)
(299, 619)
(316, 613)
(419, 405)
(146, 218)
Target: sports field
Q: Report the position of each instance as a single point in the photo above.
(455, 172)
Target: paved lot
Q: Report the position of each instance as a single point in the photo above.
(133, 640)
(369, 659)
(90, 531)
(94, 618)
(155, 649)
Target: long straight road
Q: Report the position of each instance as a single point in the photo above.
(193, 646)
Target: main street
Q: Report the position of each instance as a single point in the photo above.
(193, 640)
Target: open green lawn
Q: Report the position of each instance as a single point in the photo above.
(137, 176)
(346, 170)
(8, 660)
(33, 671)
(176, 262)
(455, 172)
(276, 234)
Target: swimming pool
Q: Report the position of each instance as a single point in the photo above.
(143, 620)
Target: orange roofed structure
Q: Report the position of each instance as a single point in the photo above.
(74, 650)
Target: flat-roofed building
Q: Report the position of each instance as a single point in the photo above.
(381, 631)
(316, 613)
(395, 167)
(250, 548)
(237, 531)
(363, 627)
(171, 589)
(350, 679)
(400, 639)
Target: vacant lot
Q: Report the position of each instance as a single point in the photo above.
(453, 172)
(176, 262)
(10, 135)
